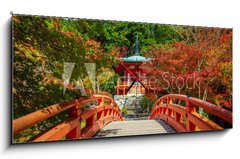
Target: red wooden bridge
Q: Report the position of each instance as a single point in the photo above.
(103, 118)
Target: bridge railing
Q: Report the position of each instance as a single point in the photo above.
(185, 118)
(95, 111)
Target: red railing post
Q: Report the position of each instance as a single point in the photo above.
(90, 121)
(102, 102)
(75, 133)
(177, 117)
(169, 100)
(190, 109)
(169, 111)
(100, 115)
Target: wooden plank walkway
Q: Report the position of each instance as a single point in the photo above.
(135, 127)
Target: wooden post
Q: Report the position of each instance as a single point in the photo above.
(169, 112)
(169, 100)
(75, 133)
(90, 121)
(190, 108)
(100, 115)
(117, 90)
(177, 117)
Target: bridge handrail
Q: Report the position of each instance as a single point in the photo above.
(105, 111)
(165, 109)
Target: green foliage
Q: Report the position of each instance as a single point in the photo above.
(124, 110)
(121, 34)
(109, 85)
(147, 103)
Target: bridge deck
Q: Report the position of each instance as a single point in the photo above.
(135, 127)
